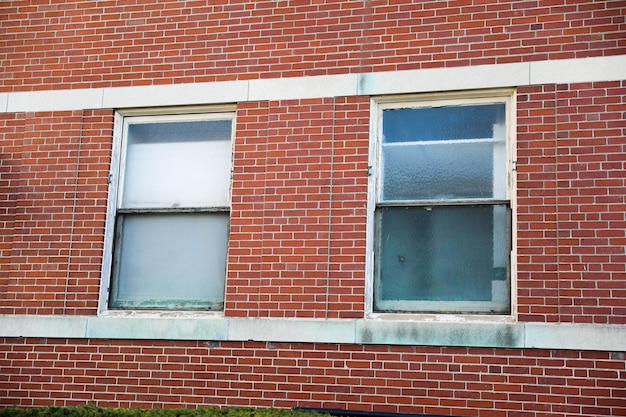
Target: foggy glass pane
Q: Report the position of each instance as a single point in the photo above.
(182, 164)
(439, 171)
(452, 152)
(441, 253)
(171, 260)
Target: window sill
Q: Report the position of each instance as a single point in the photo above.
(167, 314)
(443, 318)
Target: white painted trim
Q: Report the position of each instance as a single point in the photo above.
(372, 193)
(374, 83)
(505, 96)
(116, 173)
(512, 188)
(198, 326)
(109, 225)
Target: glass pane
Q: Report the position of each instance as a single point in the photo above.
(439, 171)
(171, 260)
(452, 254)
(444, 153)
(181, 164)
(442, 123)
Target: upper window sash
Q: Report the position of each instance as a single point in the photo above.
(462, 146)
(159, 170)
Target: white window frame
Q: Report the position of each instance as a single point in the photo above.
(115, 178)
(377, 105)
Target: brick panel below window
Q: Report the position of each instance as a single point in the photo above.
(409, 379)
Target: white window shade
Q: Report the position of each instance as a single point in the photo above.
(182, 164)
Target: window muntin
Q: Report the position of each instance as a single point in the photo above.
(172, 216)
(442, 218)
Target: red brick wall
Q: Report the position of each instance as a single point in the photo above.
(74, 44)
(11, 132)
(56, 192)
(571, 203)
(297, 246)
(289, 156)
(450, 381)
(298, 219)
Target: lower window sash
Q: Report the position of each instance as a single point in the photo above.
(443, 259)
(171, 260)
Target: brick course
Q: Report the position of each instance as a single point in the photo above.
(299, 209)
(82, 44)
(413, 379)
(570, 165)
(62, 160)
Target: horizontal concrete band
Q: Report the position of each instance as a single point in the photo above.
(344, 331)
(369, 84)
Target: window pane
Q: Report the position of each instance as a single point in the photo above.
(444, 153)
(440, 171)
(442, 123)
(171, 260)
(181, 164)
(451, 258)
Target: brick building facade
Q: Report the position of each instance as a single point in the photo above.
(401, 206)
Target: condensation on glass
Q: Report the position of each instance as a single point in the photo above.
(173, 214)
(442, 239)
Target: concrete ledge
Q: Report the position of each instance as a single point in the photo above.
(440, 334)
(292, 330)
(343, 85)
(578, 70)
(210, 328)
(444, 79)
(575, 336)
(348, 331)
(43, 326)
(175, 95)
(375, 83)
(55, 100)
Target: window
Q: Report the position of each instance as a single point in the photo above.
(172, 212)
(442, 220)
